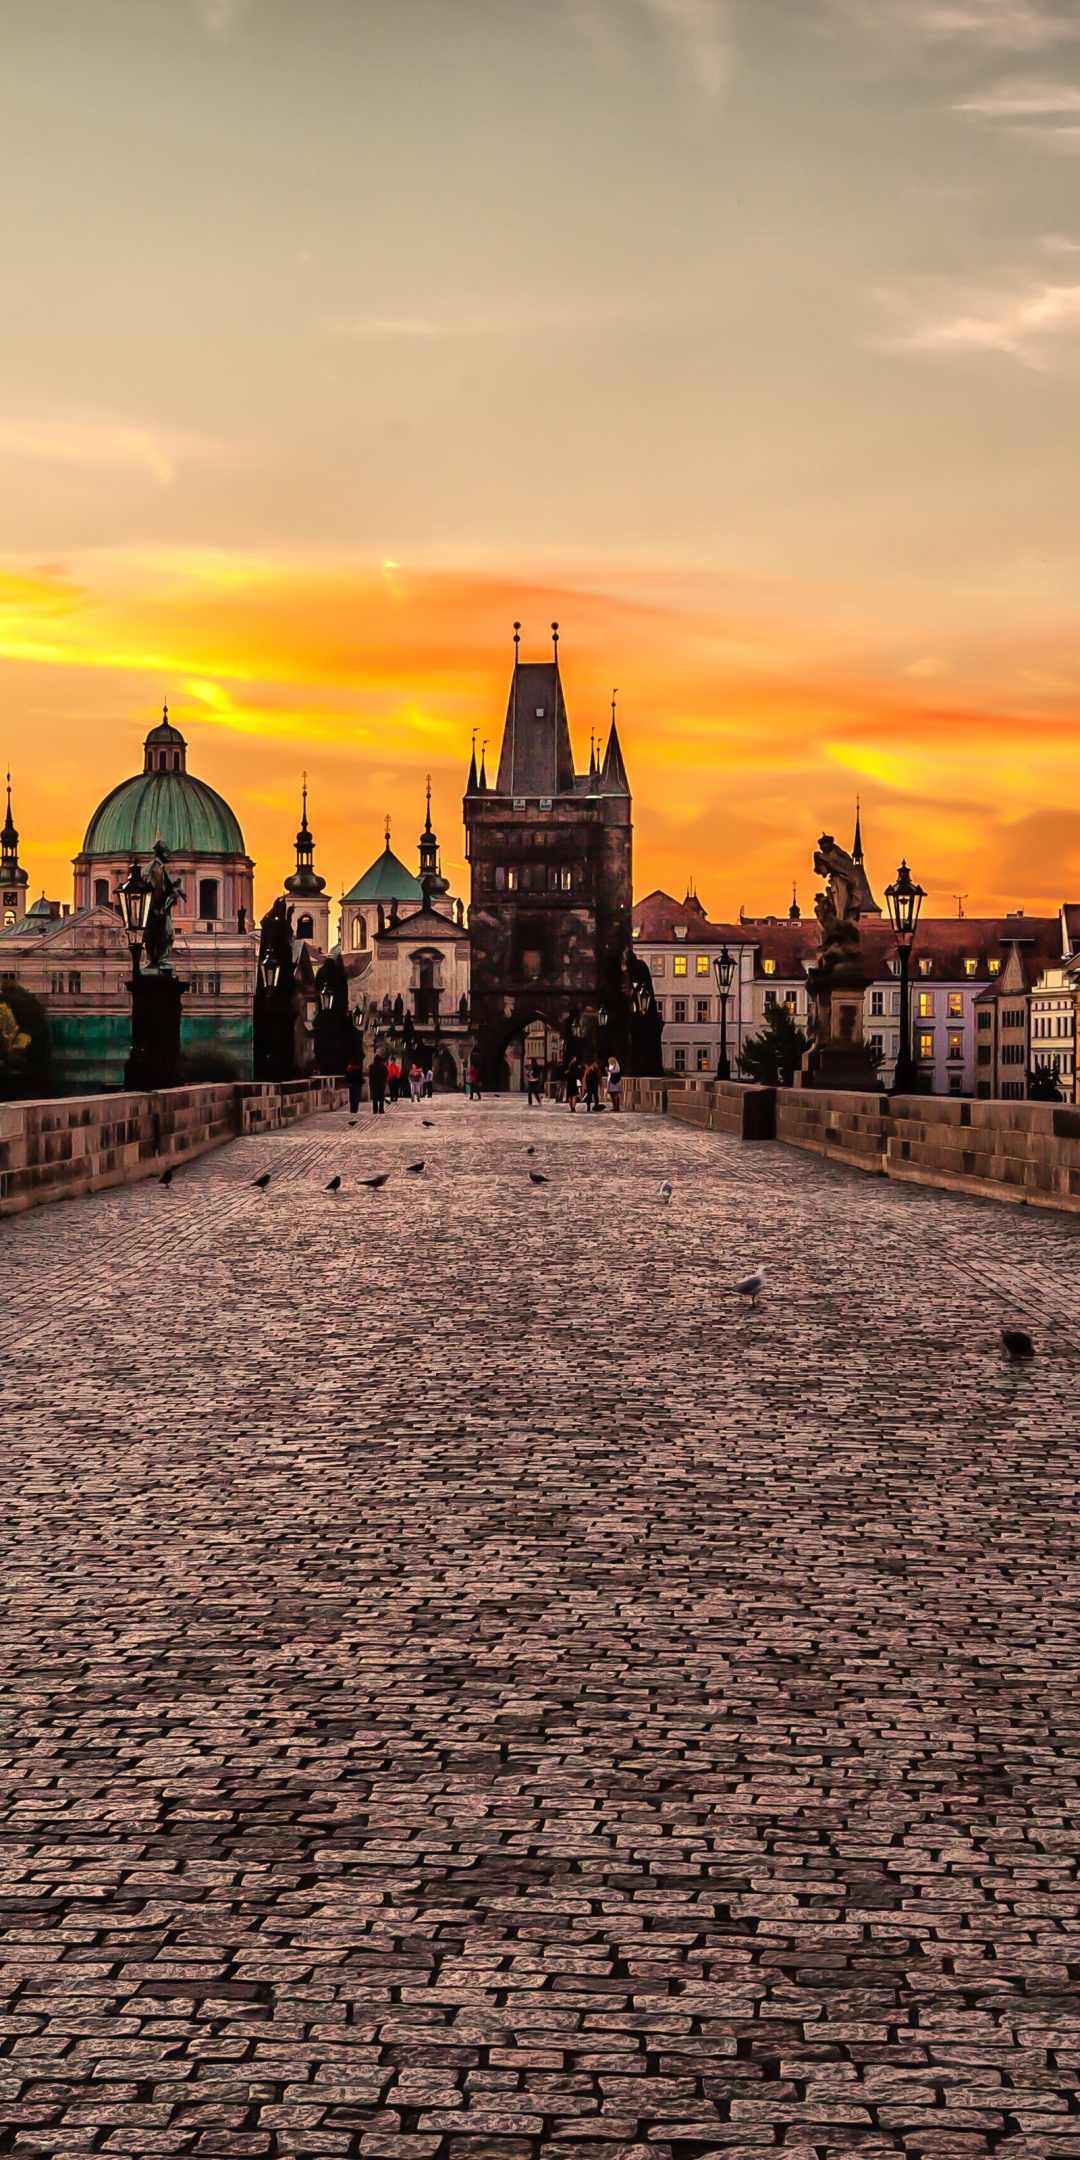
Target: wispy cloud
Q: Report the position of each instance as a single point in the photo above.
(1044, 115)
(695, 30)
(1004, 25)
(1037, 323)
(72, 442)
(697, 27)
(220, 18)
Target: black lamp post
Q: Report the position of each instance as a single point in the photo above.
(134, 899)
(724, 970)
(905, 900)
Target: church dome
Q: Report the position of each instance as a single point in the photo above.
(164, 802)
(387, 879)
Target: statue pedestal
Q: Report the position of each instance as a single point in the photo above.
(838, 1057)
(156, 999)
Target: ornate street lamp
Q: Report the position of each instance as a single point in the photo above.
(904, 901)
(724, 965)
(134, 901)
(270, 969)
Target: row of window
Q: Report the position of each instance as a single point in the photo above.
(535, 877)
(954, 1044)
(680, 964)
(703, 1057)
(1045, 1025)
(209, 895)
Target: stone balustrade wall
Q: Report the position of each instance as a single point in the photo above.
(55, 1149)
(1018, 1151)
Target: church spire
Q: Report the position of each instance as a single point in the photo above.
(304, 878)
(867, 903)
(470, 784)
(856, 850)
(613, 780)
(9, 837)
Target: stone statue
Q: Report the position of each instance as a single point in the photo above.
(646, 1025)
(164, 894)
(837, 908)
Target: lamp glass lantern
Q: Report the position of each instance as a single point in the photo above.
(724, 970)
(904, 901)
(134, 898)
(270, 969)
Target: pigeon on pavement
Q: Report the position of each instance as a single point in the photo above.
(751, 1286)
(536, 1177)
(352, 1122)
(376, 1183)
(666, 1190)
(428, 1123)
(413, 1169)
(530, 1151)
(166, 1177)
(334, 1185)
(262, 1182)
(1017, 1342)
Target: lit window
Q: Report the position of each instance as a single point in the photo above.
(926, 1004)
(680, 1057)
(702, 1012)
(970, 966)
(702, 1057)
(956, 1004)
(925, 966)
(702, 963)
(511, 881)
(769, 966)
(566, 878)
(680, 1011)
(956, 1044)
(994, 966)
(926, 1046)
(678, 965)
(9, 918)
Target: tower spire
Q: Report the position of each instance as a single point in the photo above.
(482, 782)
(856, 851)
(555, 641)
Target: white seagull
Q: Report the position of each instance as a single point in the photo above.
(666, 1190)
(751, 1286)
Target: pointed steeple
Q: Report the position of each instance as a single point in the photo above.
(482, 783)
(304, 878)
(867, 903)
(471, 783)
(613, 780)
(12, 875)
(536, 758)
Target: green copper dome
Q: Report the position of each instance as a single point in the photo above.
(164, 802)
(387, 879)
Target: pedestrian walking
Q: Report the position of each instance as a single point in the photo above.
(613, 1082)
(354, 1081)
(573, 1084)
(429, 1083)
(533, 1083)
(377, 1078)
(592, 1085)
(416, 1081)
(474, 1081)
(393, 1078)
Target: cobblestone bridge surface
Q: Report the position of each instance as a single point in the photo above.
(474, 1691)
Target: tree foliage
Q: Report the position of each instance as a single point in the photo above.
(773, 1058)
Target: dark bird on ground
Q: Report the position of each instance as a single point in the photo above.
(530, 1151)
(166, 1177)
(375, 1183)
(352, 1121)
(413, 1169)
(536, 1177)
(1017, 1342)
(751, 1286)
(334, 1185)
(428, 1123)
(262, 1182)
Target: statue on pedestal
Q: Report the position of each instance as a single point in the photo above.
(838, 1056)
(164, 894)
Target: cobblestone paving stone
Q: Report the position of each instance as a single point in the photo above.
(473, 1692)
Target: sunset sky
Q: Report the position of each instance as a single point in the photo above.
(742, 336)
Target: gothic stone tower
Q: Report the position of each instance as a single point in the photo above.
(550, 913)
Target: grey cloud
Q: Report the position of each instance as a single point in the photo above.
(1007, 25)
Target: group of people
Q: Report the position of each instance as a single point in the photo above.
(580, 1083)
(387, 1076)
